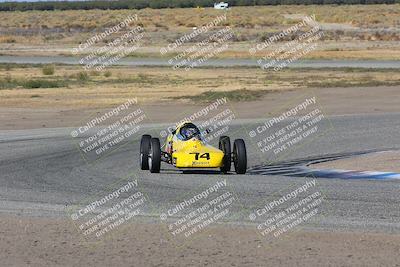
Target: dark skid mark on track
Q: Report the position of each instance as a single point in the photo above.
(299, 168)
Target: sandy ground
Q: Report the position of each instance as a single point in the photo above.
(31, 241)
(333, 101)
(383, 161)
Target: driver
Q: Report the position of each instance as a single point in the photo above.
(189, 131)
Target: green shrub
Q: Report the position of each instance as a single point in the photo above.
(7, 82)
(39, 83)
(8, 67)
(82, 76)
(107, 74)
(48, 69)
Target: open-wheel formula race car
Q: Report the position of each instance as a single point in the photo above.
(186, 149)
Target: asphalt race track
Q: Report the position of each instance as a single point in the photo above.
(43, 173)
(314, 63)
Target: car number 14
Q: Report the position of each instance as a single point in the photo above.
(202, 156)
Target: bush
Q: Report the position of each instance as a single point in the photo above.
(9, 83)
(34, 84)
(8, 67)
(107, 74)
(82, 76)
(48, 69)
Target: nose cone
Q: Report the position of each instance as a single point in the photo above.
(195, 143)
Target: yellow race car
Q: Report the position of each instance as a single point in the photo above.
(185, 148)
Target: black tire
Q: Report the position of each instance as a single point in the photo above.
(144, 151)
(155, 155)
(240, 156)
(225, 146)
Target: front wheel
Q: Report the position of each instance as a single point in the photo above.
(155, 155)
(240, 156)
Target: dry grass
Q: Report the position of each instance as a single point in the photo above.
(164, 84)
(57, 32)
(250, 23)
(251, 17)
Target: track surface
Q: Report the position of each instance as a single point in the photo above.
(42, 172)
(380, 64)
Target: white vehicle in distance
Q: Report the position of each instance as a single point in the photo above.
(221, 5)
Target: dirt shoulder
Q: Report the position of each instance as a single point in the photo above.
(48, 241)
(333, 101)
(383, 161)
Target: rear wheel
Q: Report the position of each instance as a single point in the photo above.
(144, 151)
(225, 146)
(155, 155)
(239, 156)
